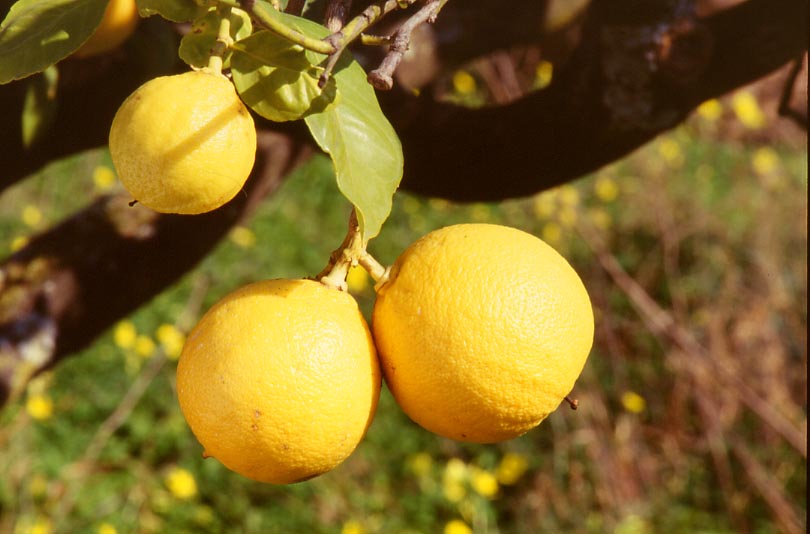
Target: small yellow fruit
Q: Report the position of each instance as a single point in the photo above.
(119, 22)
(481, 330)
(279, 380)
(184, 143)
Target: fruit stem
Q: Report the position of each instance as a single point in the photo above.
(573, 403)
(223, 42)
(351, 252)
(275, 24)
(374, 268)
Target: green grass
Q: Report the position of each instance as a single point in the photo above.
(719, 246)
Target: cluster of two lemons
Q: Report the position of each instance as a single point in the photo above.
(479, 330)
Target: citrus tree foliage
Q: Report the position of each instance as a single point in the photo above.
(277, 74)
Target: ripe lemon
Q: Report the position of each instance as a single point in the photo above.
(183, 143)
(279, 380)
(119, 21)
(481, 330)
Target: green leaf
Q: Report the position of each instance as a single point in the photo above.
(276, 79)
(173, 10)
(353, 130)
(363, 146)
(355, 133)
(195, 47)
(38, 33)
(39, 106)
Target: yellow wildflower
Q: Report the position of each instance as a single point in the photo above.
(144, 346)
(106, 528)
(606, 189)
(633, 402)
(511, 467)
(765, 161)
(747, 109)
(31, 216)
(125, 334)
(457, 526)
(710, 110)
(242, 236)
(569, 196)
(463, 82)
(171, 339)
(39, 406)
(38, 486)
(551, 233)
(484, 483)
(181, 483)
(455, 474)
(671, 152)
(544, 205)
(40, 525)
(103, 178)
(420, 463)
(352, 527)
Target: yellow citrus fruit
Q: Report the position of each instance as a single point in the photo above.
(279, 380)
(119, 22)
(184, 143)
(481, 330)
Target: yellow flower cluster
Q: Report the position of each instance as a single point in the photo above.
(169, 338)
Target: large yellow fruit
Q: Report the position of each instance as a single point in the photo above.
(481, 330)
(279, 380)
(184, 143)
(119, 21)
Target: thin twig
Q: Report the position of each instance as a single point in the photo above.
(382, 77)
(354, 28)
(784, 513)
(266, 19)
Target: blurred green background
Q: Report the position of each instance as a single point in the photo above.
(692, 406)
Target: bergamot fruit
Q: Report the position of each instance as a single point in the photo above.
(118, 23)
(183, 143)
(279, 380)
(481, 331)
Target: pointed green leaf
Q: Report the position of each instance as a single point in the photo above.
(173, 10)
(353, 130)
(195, 47)
(39, 106)
(276, 79)
(363, 145)
(38, 33)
